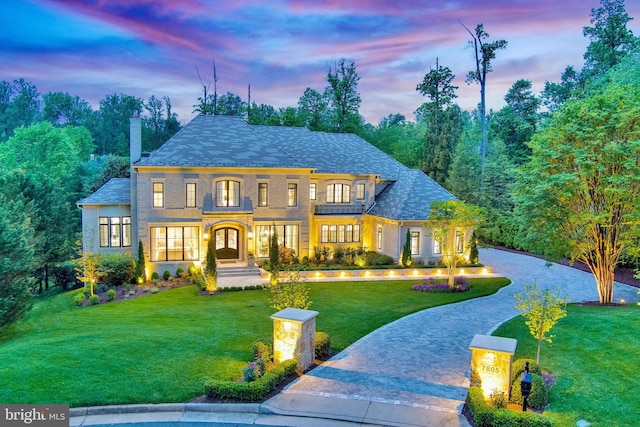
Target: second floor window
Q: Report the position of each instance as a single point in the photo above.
(338, 193)
(262, 194)
(227, 193)
(191, 195)
(292, 194)
(360, 192)
(158, 194)
(312, 191)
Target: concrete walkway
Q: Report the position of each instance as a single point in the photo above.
(414, 371)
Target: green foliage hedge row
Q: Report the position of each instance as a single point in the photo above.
(323, 346)
(486, 416)
(254, 390)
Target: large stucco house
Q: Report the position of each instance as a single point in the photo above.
(221, 178)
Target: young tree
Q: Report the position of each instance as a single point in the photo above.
(484, 53)
(211, 269)
(449, 221)
(141, 273)
(292, 292)
(406, 250)
(274, 258)
(542, 309)
(343, 96)
(88, 269)
(579, 195)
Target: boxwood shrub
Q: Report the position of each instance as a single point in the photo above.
(254, 390)
(323, 346)
(517, 368)
(539, 396)
(486, 416)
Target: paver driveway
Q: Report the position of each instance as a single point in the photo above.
(421, 361)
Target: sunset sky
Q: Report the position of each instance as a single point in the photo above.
(152, 47)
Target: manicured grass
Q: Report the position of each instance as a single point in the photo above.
(594, 357)
(162, 347)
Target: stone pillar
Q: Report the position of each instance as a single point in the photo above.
(491, 359)
(294, 336)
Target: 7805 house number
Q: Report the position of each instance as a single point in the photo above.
(490, 369)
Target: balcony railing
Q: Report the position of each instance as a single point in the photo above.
(338, 209)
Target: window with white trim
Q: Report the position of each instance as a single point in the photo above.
(459, 242)
(360, 192)
(263, 194)
(379, 238)
(287, 237)
(292, 194)
(338, 193)
(415, 243)
(191, 195)
(228, 193)
(158, 194)
(312, 191)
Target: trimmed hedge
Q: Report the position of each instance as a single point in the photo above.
(323, 346)
(486, 416)
(254, 390)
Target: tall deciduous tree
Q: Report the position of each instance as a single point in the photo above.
(484, 52)
(312, 106)
(579, 196)
(62, 109)
(611, 40)
(17, 260)
(343, 95)
(112, 133)
(443, 120)
(449, 221)
(515, 123)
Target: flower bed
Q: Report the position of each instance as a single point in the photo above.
(433, 284)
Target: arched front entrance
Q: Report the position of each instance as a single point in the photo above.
(227, 243)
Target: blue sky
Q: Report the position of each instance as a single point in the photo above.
(152, 47)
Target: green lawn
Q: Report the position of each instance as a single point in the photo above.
(594, 356)
(161, 347)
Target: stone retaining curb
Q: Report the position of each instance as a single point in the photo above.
(239, 408)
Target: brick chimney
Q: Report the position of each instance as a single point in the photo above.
(135, 138)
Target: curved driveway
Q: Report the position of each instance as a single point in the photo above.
(414, 371)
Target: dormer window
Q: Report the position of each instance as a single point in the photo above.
(338, 193)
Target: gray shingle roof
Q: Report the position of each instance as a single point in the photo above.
(219, 141)
(410, 197)
(117, 191)
(333, 152)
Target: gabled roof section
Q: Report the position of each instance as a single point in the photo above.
(217, 141)
(410, 197)
(117, 191)
(334, 152)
